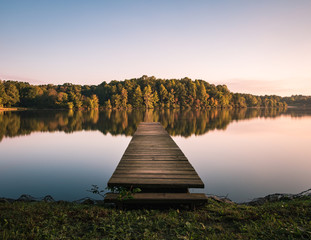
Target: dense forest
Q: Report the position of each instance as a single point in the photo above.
(298, 100)
(145, 92)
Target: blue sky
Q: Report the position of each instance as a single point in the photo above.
(252, 46)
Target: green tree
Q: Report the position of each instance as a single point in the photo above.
(163, 94)
(171, 99)
(202, 95)
(62, 99)
(77, 102)
(182, 95)
(91, 102)
(123, 98)
(108, 104)
(3, 96)
(148, 97)
(251, 100)
(12, 94)
(116, 101)
(155, 98)
(31, 96)
(95, 101)
(124, 94)
(137, 98)
(239, 101)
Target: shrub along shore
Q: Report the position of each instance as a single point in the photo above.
(279, 217)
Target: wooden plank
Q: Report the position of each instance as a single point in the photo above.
(140, 181)
(153, 160)
(146, 168)
(155, 183)
(171, 162)
(130, 154)
(153, 165)
(153, 176)
(159, 171)
(154, 152)
(140, 167)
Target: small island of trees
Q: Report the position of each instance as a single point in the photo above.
(144, 92)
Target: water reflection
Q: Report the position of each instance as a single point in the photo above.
(268, 154)
(177, 123)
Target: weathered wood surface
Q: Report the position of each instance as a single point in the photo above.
(153, 160)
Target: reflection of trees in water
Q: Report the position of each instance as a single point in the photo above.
(299, 112)
(184, 123)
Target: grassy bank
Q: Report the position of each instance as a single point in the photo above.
(279, 220)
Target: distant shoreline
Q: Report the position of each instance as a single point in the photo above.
(8, 109)
(39, 109)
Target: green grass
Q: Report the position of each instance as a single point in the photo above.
(280, 220)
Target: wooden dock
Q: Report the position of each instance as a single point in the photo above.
(154, 163)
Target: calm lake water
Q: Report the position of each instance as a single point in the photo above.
(242, 154)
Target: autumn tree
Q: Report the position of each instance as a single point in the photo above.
(148, 97)
(172, 93)
(123, 98)
(155, 99)
(137, 98)
(171, 99)
(116, 101)
(163, 94)
(202, 95)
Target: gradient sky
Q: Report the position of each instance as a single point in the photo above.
(258, 47)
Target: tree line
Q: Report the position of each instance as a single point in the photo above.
(298, 100)
(145, 92)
